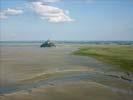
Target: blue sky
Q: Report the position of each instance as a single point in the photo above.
(66, 20)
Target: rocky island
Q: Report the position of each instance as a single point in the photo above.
(48, 43)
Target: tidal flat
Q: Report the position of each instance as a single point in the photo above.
(28, 72)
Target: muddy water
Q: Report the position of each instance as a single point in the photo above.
(29, 72)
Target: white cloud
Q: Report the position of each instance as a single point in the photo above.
(51, 1)
(70, 1)
(50, 13)
(54, 1)
(10, 12)
(2, 16)
(45, 1)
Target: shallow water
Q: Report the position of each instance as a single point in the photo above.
(29, 67)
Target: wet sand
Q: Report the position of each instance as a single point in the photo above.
(68, 91)
(31, 73)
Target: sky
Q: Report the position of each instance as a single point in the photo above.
(72, 20)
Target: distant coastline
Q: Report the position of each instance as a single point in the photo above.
(69, 42)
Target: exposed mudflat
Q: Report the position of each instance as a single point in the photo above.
(33, 73)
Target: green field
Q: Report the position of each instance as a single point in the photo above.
(121, 56)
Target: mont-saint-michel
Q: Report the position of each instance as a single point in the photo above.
(47, 43)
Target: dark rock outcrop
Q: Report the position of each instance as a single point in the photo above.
(48, 43)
